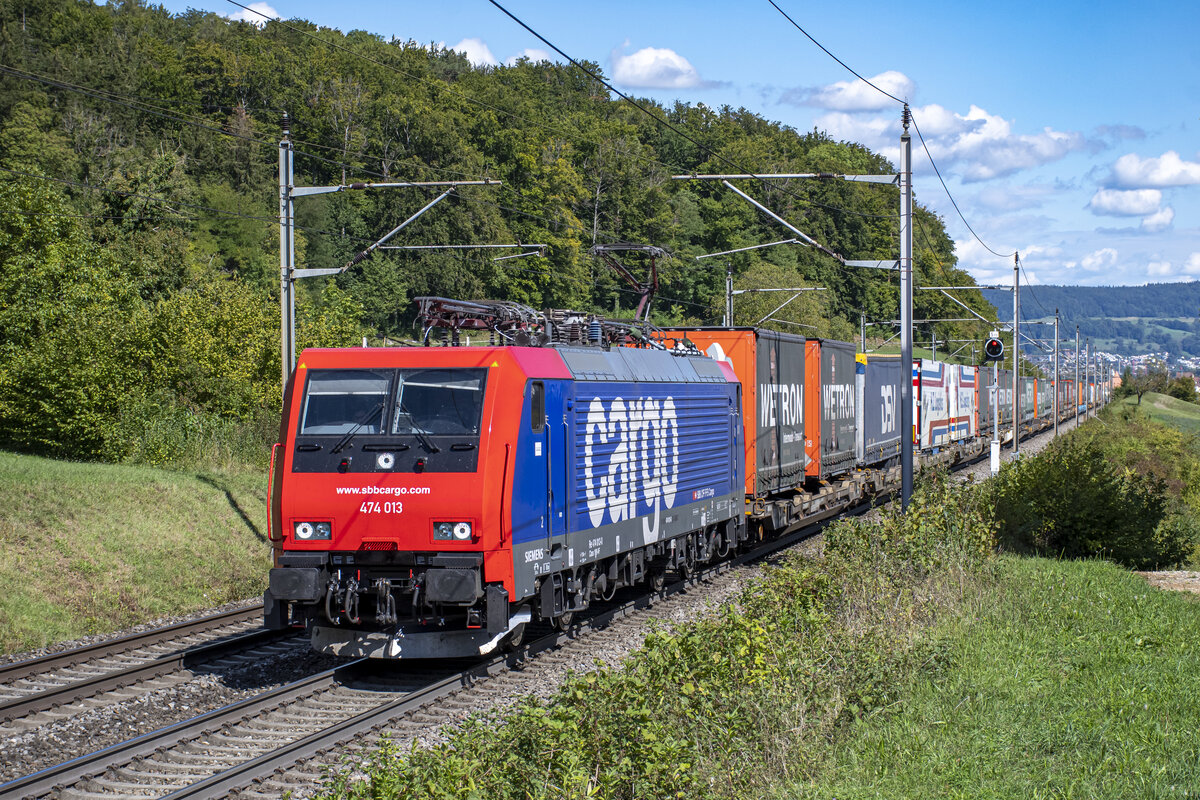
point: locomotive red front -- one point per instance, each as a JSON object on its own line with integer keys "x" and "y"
{"x": 428, "y": 502}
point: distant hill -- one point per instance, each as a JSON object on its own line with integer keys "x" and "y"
{"x": 1128, "y": 320}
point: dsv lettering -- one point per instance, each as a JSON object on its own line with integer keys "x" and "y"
{"x": 641, "y": 470}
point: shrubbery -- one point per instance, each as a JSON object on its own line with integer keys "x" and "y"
{"x": 1100, "y": 492}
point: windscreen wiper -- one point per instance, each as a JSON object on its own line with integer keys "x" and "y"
{"x": 422, "y": 436}
{"x": 345, "y": 440}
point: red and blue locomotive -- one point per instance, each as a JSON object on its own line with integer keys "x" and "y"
{"x": 430, "y": 501}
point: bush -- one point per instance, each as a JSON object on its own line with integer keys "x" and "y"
{"x": 163, "y": 432}
{"x": 1072, "y": 501}
{"x": 944, "y": 524}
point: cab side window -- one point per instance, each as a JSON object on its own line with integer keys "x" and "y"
{"x": 537, "y": 415}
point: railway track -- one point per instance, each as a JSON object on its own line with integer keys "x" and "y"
{"x": 53, "y": 680}
{"x": 58, "y": 680}
{"x": 265, "y": 745}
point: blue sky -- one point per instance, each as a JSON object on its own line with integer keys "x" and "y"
{"x": 1066, "y": 130}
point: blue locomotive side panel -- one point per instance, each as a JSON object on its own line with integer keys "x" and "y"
{"x": 538, "y": 498}
{"x": 644, "y": 451}
{"x": 640, "y": 447}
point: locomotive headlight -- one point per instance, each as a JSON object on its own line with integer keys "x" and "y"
{"x": 452, "y": 531}
{"x": 310, "y": 531}
{"x": 385, "y": 460}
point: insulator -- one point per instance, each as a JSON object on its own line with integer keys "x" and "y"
{"x": 594, "y": 331}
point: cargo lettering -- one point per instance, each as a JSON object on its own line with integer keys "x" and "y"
{"x": 784, "y": 401}
{"x": 643, "y": 467}
{"x": 839, "y": 400}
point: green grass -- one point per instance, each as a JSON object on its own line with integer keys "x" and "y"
{"x": 96, "y": 547}
{"x": 1172, "y": 411}
{"x": 963, "y": 356}
{"x": 1075, "y": 680}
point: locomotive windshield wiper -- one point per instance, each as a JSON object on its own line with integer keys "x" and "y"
{"x": 422, "y": 435}
{"x": 345, "y": 440}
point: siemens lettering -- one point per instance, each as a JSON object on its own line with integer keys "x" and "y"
{"x": 631, "y": 457}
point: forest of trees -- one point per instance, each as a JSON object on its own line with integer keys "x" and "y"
{"x": 138, "y": 209}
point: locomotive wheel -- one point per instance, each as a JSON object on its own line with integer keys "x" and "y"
{"x": 688, "y": 568}
{"x": 514, "y": 639}
{"x": 564, "y": 620}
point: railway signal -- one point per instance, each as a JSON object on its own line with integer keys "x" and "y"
{"x": 993, "y": 349}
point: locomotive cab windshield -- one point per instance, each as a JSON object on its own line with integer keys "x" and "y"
{"x": 435, "y": 412}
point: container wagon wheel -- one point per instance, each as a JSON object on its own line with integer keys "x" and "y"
{"x": 657, "y": 578}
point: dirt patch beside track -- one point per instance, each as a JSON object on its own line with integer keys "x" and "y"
{"x": 1175, "y": 580}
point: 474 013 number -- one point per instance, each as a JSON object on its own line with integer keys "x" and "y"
{"x": 376, "y": 507}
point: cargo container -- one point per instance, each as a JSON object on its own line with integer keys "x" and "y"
{"x": 986, "y": 383}
{"x": 1045, "y": 399}
{"x": 964, "y": 425}
{"x": 878, "y": 399}
{"x": 940, "y": 417}
{"x": 1066, "y": 396}
{"x": 830, "y": 433}
{"x": 1028, "y": 398}
{"x": 770, "y": 366}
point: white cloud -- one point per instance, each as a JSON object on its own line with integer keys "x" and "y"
{"x": 1098, "y": 260}
{"x": 477, "y": 52}
{"x": 1133, "y": 203}
{"x": 258, "y": 20}
{"x": 1166, "y": 170}
{"x": 532, "y": 53}
{"x": 983, "y": 145}
{"x": 1192, "y": 267}
{"x": 1159, "y": 269}
{"x": 1159, "y": 221}
{"x": 987, "y": 147}
{"x": 654, "y": 68}
{"x": 855, "y": 95}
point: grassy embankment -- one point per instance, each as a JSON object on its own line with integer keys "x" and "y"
{"x": 1171, "y": 411}
{"x": 96, "y": 547}
{"x": 1075, "y": 679}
